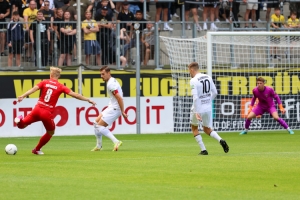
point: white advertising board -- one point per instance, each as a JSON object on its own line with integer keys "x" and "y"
{"x": 74, "y": 117}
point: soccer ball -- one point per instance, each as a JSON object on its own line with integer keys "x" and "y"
{"x": 11, "y": 149}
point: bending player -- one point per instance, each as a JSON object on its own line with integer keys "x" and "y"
{"x": 265, "y": 95}
{"x": 51, "y": 89}
{"x": 203, "y": 91}
{"x": 114, "y": 110}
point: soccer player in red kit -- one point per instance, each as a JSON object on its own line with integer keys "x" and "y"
{"x": 51, "y": 89}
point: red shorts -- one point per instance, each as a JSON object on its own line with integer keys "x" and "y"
{"x": 40, "y": 114}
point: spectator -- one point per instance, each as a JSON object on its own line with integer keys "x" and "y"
{"x": 162, "y": 7}
{"x": 138, "y": 19}
{"x": 71, "y": 9}
{"x": 51, "y": 5}
{"x": 235, "y": 12}
{"x": 209, "y": 8}
{"x": 56, "y": 26}
{"x": 126, "y": 15}
{"x": 45, "y": 37}
{"x": 148, "y": 41}
{"x": 85, "y": 5}
{"x": 58, "y": 4}
{"x": 252, "y": 6}
{"x": 19, "y": 5}
{"x": 15, "y": 38}
{"x": 194, "y": 8}
{"x": 110, "y": 7}
{"x": 30, "y": 15}
{"x": 104, "y": 34}
{"x": 4, "y": 12}
{"x": 269, "y": 7}
{"x": 277, "y": 21}
{"x": 67, "y": 38}
{"x": 292, "y": 23}
{"x": 91, "y": 45}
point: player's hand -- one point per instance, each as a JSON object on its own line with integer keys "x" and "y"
{"x": 281, "y": 108}
{"x": 20, "y": 98}
{"x": 250, "y": 109}
{"x": 92, "y": 102}
{"x": 198, "y": 117}
{"x": 124, "y": 115}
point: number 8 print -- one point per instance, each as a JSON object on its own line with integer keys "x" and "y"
{"x": 48, "y": 95}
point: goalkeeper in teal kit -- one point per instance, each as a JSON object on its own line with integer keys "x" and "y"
{"x": 265, "y": 95}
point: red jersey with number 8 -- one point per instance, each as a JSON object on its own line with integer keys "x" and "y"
{"x": 51, "y": 89}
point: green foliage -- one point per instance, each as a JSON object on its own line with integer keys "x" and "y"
{"x": 259, "y": 165}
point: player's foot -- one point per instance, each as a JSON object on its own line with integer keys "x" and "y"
{"x": 97, "y": 149}
{"x": 244, "y": 132}
{"x": 224, "y": 145}
{"x": 117, "y": 145}
{"x": 34, "y": 151}
{"x": 18, "y": 119}
{"x": 204, "y": 152}
{"x": 291, "y": 132}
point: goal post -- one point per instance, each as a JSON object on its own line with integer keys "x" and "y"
{"x": 235, "y": 60}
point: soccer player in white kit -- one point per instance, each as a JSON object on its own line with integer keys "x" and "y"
{"x": 203, "y": 92}
{"x": 114, "y": 110}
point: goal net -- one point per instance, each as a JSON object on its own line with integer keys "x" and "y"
{"x": 235, "y": 60}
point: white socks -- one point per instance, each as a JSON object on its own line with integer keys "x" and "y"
{"x": 104, "y": 130}
{"x": 99, "y": 138}
{"x": 198, "y": 138}
{"x": 215, "y": 135}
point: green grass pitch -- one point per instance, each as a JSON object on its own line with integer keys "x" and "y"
{"x": 260, "y": 165}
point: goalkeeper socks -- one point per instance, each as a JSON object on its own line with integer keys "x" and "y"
{"x": 215, "y": 135}
{"x": 282, "y": 123}
{"x": 107, "y": 133}
{"x": 198, "y": 138}
{"x": 44, "y": 140}
{"x": 247, "y": 124}
{"x": 99, "y": 138}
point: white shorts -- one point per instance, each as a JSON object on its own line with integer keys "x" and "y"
{"x": 109, "y": 115}
{"x": 252, "y": 5}
{"x": 206, "y": 119}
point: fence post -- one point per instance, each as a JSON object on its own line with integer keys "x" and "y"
{"x": 38, "y": 52}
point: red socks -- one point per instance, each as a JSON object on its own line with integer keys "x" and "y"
{"x": 44, "y": 140}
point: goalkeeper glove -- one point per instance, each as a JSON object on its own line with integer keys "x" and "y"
{"x": 250, "y": 109}
{"x": 281, "y": 108}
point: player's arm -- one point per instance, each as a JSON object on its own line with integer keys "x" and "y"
{"x": 194, "y": 93}
{"x": 29, "y": 92}
{"x": 252, "y": 102}
{"x": 277, "y": 98}
{"x": 120, "y": 102}
{"x": 80, "y": 97}
{"x": 214, "y": 91}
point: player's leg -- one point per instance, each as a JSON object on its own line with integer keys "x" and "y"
{"x": 194, "y": 125}
{"x": 47, "y": 119}
{"x": 29, "y": 119}
{"x": 98, "y": 134}
{"x": 274, "y": 114}
{"x": 207, "y": 124}
{"x": 255, "y": 112}
{"x": 109, "y": 115}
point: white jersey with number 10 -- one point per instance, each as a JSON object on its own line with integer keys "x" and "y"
{"x": 203, "y": 92}
{"x": 113, "y": 86}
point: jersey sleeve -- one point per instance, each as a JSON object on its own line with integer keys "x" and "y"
{"x": 113, "y": 88}
{"x": 253, "y": 98}
{"x": 194, "y": 93}
{"x": 41, "y": 84}
{"x": 276, "y": 97}
{"x": 66, "y": 90}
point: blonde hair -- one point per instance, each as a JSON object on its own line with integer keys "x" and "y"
{"x": 55, "y": 72}
{"x": 194, "y": 65}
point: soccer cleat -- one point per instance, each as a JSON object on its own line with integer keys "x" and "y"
{"x": 97, "y": 149}
{"x": 291, "y": 132}
{"x": 204, "y": 152}
{"x": 34, "y": 151}
{"x": 244, "y": 132}
{"x": 117, "y": 145}
{"x": 224, "y": 145}
{"x": 18, "y": 119}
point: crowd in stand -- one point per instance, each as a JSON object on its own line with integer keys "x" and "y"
{"x": 57, "y": 18}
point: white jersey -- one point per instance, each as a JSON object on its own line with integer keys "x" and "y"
{"x": 203, "y": 91}
{"x": 112, "y": 86}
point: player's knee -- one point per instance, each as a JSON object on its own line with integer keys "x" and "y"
{"x": 51, "y": 132}
{"x": 276, "y": 118}
{"x": 207, "y": 130}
